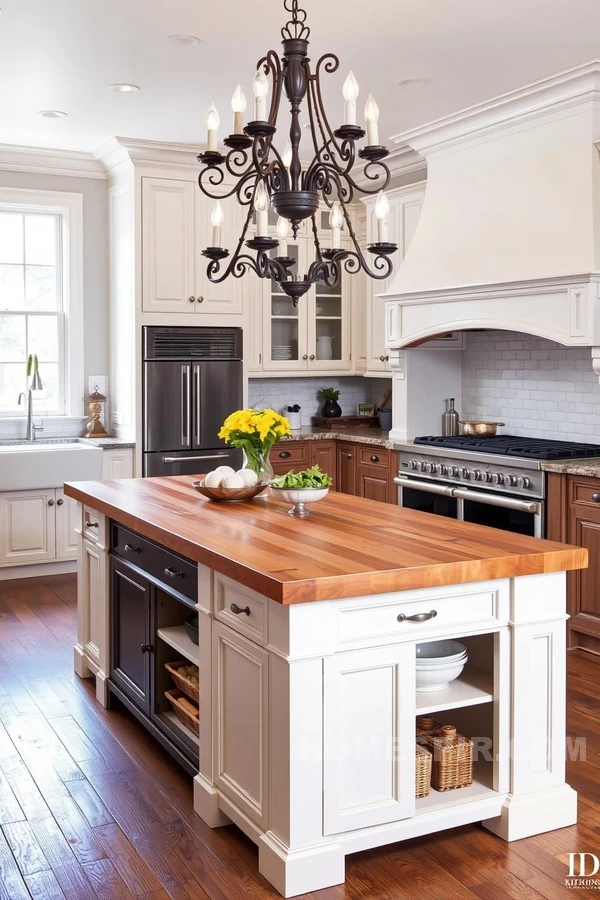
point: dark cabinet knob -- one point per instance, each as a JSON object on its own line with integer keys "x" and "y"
{"x": 305, "y": 356}
{"x": 384, "y": 358}
{"x": 59, "y": 502}
{"x": 171, "y": 573}
{"x": 374, "y": 458}
{"x": 146, "y": 648}
{"x": 348, "y": 456}
{"x": 200, "y": 299}
{"x": 191, "y": 299}
{"x": 238, "y": 611}
{"x": 285, "y": 454}
{"x": 312, "y": 356}
{"x": 596, "y": 498}
{"x": 50, "y": 502}
{"x": 129, "y": 548}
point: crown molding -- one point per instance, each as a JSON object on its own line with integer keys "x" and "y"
{"x": 548, "y": 96}
{"x": 49, "y": 161}
{"x": 149, "y": 153}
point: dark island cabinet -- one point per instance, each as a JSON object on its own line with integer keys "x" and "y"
{"x": 130, "y": 633}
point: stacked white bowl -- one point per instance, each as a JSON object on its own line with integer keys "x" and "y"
{"x": 438, "y": 663}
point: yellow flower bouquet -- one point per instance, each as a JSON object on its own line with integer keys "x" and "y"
{"x": 255, "y": 431}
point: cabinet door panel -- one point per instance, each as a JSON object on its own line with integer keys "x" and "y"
{"x": 226, "y": 297}
{"x": 584, "y": 530}
{"x": 130, "y": 617}
{"x": 323, "y": 454}
{"x": 68, "y": 521}
{"x": 240, "y": 680}
{"x": 346, "y": 468}
{"x": 372, "y": 484}
{"x": 369, "y": 749}
{"x": 168, "y": 245}
{"x": 27, "y": 527}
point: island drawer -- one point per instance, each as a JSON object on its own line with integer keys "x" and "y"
{"x": 242, "y": 609}
{"x": 175, "y": 572}
{"x": 419, "y": 618}
{"x": 92, "y": 525}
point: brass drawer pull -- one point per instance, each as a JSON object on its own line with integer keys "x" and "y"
{"x": 237, "y": 610}
{"x": 171, "y": 573}
{"x": 418, "y": 617}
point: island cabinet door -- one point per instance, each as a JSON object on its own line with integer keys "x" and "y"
{"x": 241, "y": 759}
{"x": 131, "y": 650}
{"x": 369, "y": 738}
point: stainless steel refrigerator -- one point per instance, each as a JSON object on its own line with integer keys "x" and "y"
{"x": 192, "y": 381}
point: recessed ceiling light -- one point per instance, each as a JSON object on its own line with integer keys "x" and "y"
{"x": 183, "y": 40}
{"x": 404, "y": 82}
{"x": 121, "y": 87}
{"x": 53, "y": 114}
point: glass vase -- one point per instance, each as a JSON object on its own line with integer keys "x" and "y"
{"x": 257, "y": 460}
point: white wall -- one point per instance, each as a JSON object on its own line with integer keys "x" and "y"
{"x": 95, "y": 259}
{"x": 539, "y": 388}
{"x": 277, "y": 393}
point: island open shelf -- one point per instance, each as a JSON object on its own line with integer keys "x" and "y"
{"x": 177, "y": 638}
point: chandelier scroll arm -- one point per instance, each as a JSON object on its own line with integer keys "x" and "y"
{"x": 239, "y": 262}
{"x": 272, "y": 64}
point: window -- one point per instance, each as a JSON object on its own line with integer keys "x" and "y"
{"x": 40, "y": 300}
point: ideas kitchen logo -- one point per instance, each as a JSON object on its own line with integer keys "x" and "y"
{"x": 583, "y": 869}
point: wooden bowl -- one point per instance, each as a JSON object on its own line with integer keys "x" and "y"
{"x": 224, "y": 495}
{"x": 480, "y": 429}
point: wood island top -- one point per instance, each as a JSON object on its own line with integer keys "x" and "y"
{"x": 346, "y": 547}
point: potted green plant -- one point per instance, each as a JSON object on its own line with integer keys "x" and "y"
{"x": 331, "y": 408}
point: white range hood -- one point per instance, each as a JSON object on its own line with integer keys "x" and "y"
{"x": 509, "y": 235}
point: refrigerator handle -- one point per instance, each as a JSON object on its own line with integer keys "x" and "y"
{"x": 185, "y": 406}
{"x": 197, "y": 406}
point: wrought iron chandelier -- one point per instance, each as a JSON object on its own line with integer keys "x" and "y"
{"x": 265, "y": 177}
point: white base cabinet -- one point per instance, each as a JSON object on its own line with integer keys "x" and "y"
{"x": 91, "y": 652}
{"x": 313, "y": 710}
{"x": 37, "y": 526}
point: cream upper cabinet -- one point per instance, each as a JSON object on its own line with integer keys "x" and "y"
{"x": 405, "y": 211}
{"x": 176, "y": 228}
{"x": 27, "y": 527}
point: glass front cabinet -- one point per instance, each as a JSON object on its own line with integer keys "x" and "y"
{"x": 315, "y": 335}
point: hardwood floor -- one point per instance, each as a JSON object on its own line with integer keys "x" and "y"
{"x": 91, "y": 807}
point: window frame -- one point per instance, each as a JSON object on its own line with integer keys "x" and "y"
{"x": 69, "y": 206}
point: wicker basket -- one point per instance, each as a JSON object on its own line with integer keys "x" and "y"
{"x": 422, "y": 772}
{"x": 184, "y": 715}
{"x": 452, "y": 759}
{"x": 184, "y": 684}
{"x": 427, "y": 727}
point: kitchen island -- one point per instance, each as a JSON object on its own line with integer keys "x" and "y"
{"x": 306, "y": 656}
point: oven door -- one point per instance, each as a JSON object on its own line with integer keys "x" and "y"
{"x": 427, "y": 496}
{"x": 501, "y": 511}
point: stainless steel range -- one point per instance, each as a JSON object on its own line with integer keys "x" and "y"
{"x": 496, "y": 481}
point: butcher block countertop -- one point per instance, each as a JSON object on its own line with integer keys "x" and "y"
{"x": 346, "y": 547}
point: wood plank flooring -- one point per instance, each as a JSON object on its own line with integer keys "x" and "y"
{"x": 90, "y": 807}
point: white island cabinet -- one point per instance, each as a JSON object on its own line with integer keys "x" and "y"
{"x": 307, "y": 641}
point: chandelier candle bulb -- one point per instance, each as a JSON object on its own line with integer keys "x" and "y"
{"x": 238, "y": 105}
{"x": 350, "y": 92}
{"x": 212, "y": 124}
{"x": 372, "y": 118}
{"x": 283, "y": 228}
{"x": 260, "y": 88}
{"x": 336, "y": 220}
{"x": 217, "y": 221}
{"x": 382, "y": 210}
{"x": 261, "y": 206}
{"x": 286, "y": 156}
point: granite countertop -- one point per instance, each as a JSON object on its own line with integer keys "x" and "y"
{"x": 373, "y": 436}
{"x": 589, "y": 467}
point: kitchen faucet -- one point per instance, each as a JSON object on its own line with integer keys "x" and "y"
{"x": 36, "y": 385}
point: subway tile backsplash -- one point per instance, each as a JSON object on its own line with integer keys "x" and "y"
{"x": 278, "y": 393}
{"x": 537, "y": 387}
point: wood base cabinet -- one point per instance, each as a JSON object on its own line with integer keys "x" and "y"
{"x": 574, "y": 517}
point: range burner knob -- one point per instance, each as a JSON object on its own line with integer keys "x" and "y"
{"x": 525, "y": 482}
{"x": 466, "y": 473}
{"x": 454, "y": 471}
{"x": 512, "y": 480}
{"x": 413, "y": 464}
{"x": 421, "y": 466}
{"x": 497, "y": 478}
{"x": 433, "y": 468}
{"x": 487, "y": 476}
{"x": 477, "y": 474}
{"x": 443, "y": 469}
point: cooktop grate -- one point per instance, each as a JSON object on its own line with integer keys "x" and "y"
{"x": 513, "y": 445}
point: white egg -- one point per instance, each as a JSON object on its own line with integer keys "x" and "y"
{"x": 249, "y": 477}
{"x": 225, "y": 470}
{"x": 233, "y": 481}
{"x": 213, "y": 479}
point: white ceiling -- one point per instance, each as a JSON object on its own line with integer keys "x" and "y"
{"x": 62, "y": 54}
